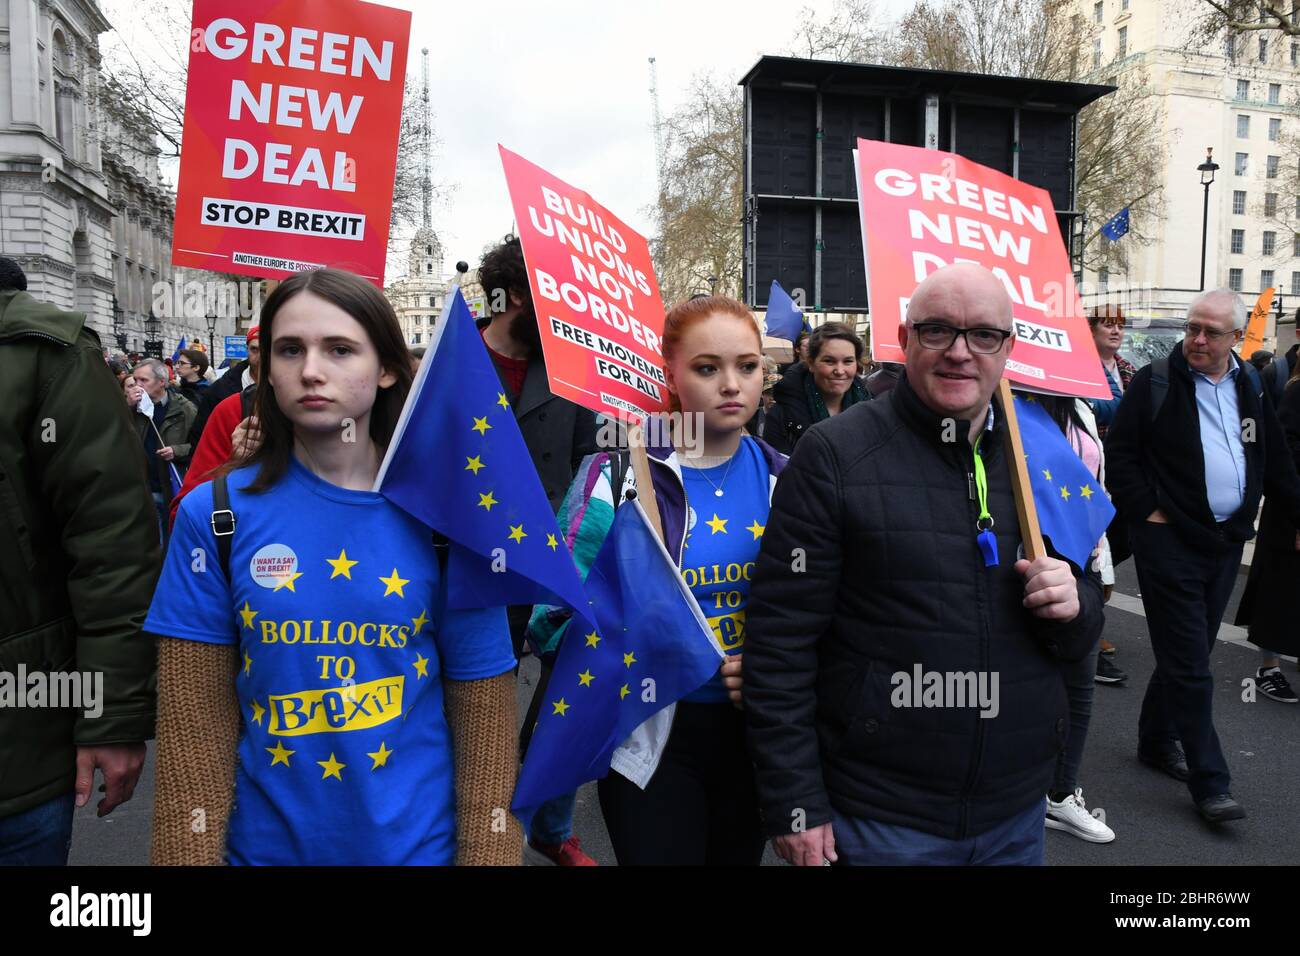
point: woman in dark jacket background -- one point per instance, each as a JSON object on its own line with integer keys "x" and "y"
{"x": 824, "y": 384}
{"x": 1268, "y": 605}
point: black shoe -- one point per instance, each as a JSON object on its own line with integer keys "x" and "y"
{"x": 1172, "y": 762}
{"x": 1220, "y": 809}
{"x": 1108, "y": 673}
{"x": 1273, "y": 685}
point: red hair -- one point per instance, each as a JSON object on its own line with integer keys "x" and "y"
{"x": 692, "y": 311}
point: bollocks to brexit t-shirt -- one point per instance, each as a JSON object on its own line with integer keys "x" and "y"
{"x": 722, "y": 541}
{"x": 345, "y": 755}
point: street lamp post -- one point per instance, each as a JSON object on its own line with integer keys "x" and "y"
{"x": 212, "y": 331}
{"x": 1207, "y": 170}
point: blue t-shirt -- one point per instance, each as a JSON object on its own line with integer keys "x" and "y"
{"x": 722, "y": 540}
{"x": 345, "y": 755}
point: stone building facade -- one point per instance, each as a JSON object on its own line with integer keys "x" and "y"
{"x": 83, "y": 207}
{"x": 418, "y": 297}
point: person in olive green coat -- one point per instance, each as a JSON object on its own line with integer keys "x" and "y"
{"x": 79, "y": 557}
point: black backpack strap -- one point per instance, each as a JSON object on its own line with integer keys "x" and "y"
{"x": 1280, "y": 371}
{"x": 1159, "y": 384}
{"x": 222, "y": 520}
{"x": 619, "y": 462}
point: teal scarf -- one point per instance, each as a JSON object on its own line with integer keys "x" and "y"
{"x": 820, "y": 413}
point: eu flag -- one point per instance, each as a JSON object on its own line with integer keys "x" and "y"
{"x": 177, "y": 353}
{"x": 647, "y": 647}
{"x": 1116, "y": 226}
{"x": 458, "y": 463}
{"x": 783, "y": 319}
{"x": 1073, "y": 509}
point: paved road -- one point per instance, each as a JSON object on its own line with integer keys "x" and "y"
{"x": 1151, "y": 814}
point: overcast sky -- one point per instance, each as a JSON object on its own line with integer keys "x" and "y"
{"x": 566, "y": 85}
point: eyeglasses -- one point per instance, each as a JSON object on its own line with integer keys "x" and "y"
{"x": 1196, "y": 330}
{"x": 936, "y": 335}
{"x": 1110, "y": 322}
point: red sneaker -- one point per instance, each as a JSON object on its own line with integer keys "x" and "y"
{"x": 568, "y": 853}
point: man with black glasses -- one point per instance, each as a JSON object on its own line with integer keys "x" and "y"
{"x": 889, "y": 561}
{"x": 1192, "y": 448}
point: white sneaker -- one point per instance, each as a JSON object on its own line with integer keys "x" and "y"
{"x": 1071, "y": 816}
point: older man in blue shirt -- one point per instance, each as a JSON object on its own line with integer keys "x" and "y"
{"x": 1192, "y": 448}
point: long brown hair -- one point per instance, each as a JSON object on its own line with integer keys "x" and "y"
{"x": 363, "y": 302}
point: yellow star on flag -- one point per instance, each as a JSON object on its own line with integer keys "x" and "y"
{"x": 480, "y": 425}
{"x": 1047, "y": 474}
{"x": 1065, "y": 492}
{"x": 332, "y": 768}
{"x": 393, "y": 584}
{"x": 585, "y": 678}
{"x": 501, "y": 400}
{"x": 1086, "y": 491}
{"x": 248, "y": 664}
{"x": 288, "y": 582}
{"x": 629, "y": 659}
{"x": 717, "y": 524}
{"x": 247, "y": 613}
{"x": 756, "y": 529}
{"x": 380, "y": 756}
{"x": 517, "y": 533}
{"x": 279, "y": 754}
{"x": 560, "y": 707}
{"x": 551, "y": 542}
{"x": 487, "y": 501}
{"x": 258, "y": 713}
{"x": 341, "y": 565}
{"x": 593, "y": 639}
{"x": 421, "y": 666}
{"x": 623, "y": 692}
{"x": 420, "y": 621}
{"x": 474, "y": 464}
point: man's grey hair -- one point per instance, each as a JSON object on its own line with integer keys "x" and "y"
{"x": 155, "y": 367}
{"x": 1215, "y": 296}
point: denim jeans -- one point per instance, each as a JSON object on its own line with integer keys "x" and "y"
{"x": 160, "y": 505}
{"x": 1015, "y": 842}
{"x": 1080, "y": 681}
{"x": 552, "y": 824}
{"x": 40, "y": 836}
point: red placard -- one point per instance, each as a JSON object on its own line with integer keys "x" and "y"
{"x": 595, "y": 293}
{"x": 292, "y": 112}
{"x": 922, "y": 209}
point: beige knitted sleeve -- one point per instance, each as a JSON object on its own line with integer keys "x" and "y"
{"x": 482, "y": 718}
{"x": 198, "y": 727}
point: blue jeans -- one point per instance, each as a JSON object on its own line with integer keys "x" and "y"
{"x": 40, "y": 836}
{"x": 160, "y": 505}
{"x": 553, "y": 822}
{"x": 1015, "y": 842}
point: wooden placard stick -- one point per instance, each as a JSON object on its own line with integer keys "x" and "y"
{"x": 645, "y": 486}
{"x": 1030, "y": 532}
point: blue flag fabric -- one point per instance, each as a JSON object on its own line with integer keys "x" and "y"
{"x": 458, "y": 463}
{"x": 648, "y": 647}
{"x": 1116, "y": 226}
{"x": 783, "y": 320}
{"x": 177, "y": 353}
{"x": 1073, "y": 509}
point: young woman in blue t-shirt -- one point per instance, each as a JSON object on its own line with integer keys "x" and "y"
{"x": 312, "y": 687}
{"x": 681, "y": 787}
